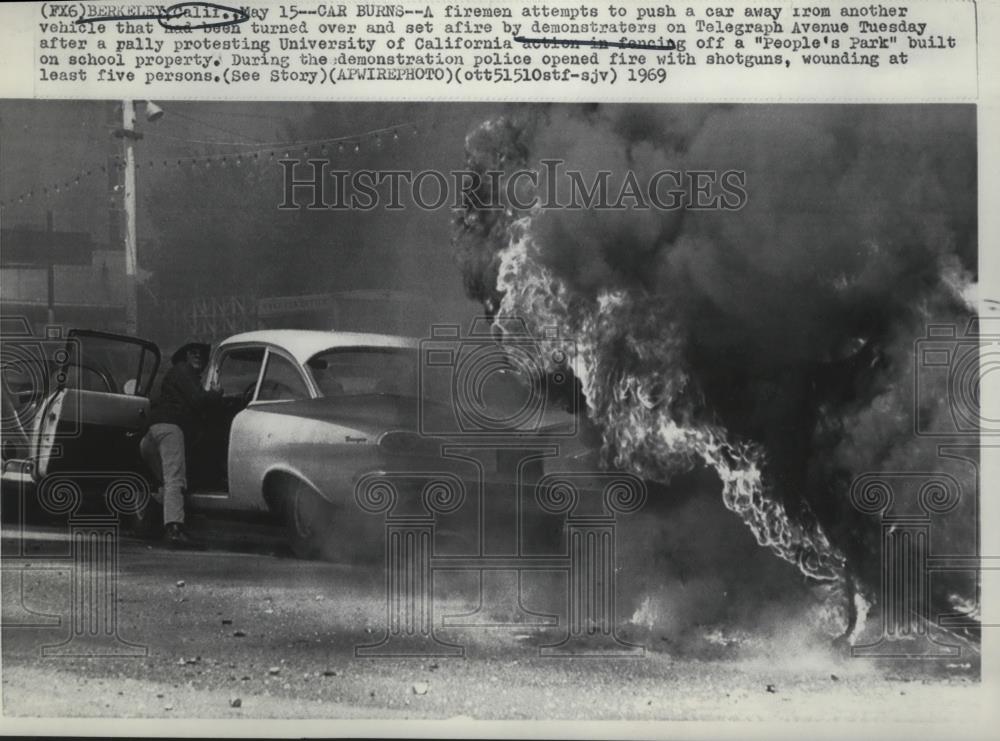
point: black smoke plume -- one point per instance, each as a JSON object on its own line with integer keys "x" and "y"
{"x": 773, "y": 344}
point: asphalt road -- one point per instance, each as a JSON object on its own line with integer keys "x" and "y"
{"x": 243, "y": 630}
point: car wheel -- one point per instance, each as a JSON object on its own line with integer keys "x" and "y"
{"x": 309, "y": 521}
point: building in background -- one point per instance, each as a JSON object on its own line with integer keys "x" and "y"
{"x": 62, "y": 277}
{"x": 213, "y": 318}
{"x": 215, "y": 254}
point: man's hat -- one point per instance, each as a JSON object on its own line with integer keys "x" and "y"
{"x": 180, "y": 355}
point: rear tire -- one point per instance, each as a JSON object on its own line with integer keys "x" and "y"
{"x": 309, "y": 523}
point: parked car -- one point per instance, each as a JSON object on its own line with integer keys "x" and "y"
{"x": 304, "y": 416}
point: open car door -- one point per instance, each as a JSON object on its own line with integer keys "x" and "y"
{"x": 234, "y": 371}
{"x": 94, "y": 420}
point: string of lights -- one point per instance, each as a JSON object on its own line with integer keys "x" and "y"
{"x": 255, "y": 152}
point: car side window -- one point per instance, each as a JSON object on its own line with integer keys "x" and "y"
{"x": 88, "y": 379}
{"x": 282, "y": 381}
{"x": 239, "y": 369}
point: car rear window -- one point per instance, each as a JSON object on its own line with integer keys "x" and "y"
{"x": 355, "y": 371}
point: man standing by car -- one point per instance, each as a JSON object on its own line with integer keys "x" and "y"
{"x": 174, "y": 419}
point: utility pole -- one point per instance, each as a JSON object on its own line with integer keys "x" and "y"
{"x": 50, "y": 272}
{"x": 131, "y": 259}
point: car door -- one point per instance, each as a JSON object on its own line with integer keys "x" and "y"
{"x": 234, "y": 370}
{"x": 94, "y": 420}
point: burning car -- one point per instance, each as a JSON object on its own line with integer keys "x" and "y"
{"x": 304, "y": 416}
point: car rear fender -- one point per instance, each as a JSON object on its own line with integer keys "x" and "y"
{"x": 279, "y": 481}
{"x": 320, "y": 453}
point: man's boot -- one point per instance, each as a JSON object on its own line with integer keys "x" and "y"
{"x": 177, "y": 538}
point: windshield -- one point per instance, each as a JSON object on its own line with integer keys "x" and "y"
{"x": 354, "y": 371}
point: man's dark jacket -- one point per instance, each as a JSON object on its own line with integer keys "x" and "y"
{"x": 182, "y": 400}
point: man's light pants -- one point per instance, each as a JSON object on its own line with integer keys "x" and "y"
{"x": 163, "y": 450}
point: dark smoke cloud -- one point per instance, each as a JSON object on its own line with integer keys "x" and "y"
{"x": 787, "y": 326}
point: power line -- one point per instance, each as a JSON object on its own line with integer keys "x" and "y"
{"x": 262, "y": 151}
{"x": 292, "y": 144}
{"x": 223, "y": 129}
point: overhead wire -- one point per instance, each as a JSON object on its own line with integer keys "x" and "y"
{"x": 254, "y": 152}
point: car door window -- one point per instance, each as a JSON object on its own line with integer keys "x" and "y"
{"x": 90, "y": 379}
{"x": 239, "y": 369}
{"x": 109, "y": 363}
{"x": 282, "y": 381}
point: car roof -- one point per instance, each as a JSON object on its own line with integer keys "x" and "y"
{"x": 302, "y": 344}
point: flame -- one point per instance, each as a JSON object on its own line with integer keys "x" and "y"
{"x": 688, "y": 325}
{"x": 648, "y": 414}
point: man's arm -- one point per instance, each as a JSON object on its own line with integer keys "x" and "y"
{"x": 186, "y": 385}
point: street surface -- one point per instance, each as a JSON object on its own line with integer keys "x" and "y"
{"x": 243, "y": 630}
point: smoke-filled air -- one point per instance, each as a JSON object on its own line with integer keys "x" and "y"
{"x": 772, "y": 344}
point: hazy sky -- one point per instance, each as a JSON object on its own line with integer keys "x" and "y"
{"x": 44, "y": 143}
